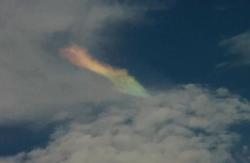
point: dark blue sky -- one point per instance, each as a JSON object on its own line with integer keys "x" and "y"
{"x": 181, "y": 45}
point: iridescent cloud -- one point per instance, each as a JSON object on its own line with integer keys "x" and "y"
{"x": 121, "y": 79}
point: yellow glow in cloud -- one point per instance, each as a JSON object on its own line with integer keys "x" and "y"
{"x": 119, "y": 77}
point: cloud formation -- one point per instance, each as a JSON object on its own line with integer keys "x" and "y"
{"x": 238, "y": 48}
{"x": 183, "y": 125}
{"x": 34, "y": 79}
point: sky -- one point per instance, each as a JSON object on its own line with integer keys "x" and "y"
{"x": 110, "y": 81}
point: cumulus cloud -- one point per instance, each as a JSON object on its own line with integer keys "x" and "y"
{"x": 35, "y": 81}
{"x": 182, "y": 125}
{"x": 239, "y": 48}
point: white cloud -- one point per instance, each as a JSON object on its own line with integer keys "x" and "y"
{"x": 239, "y": 48}
{"x": 183, "y": 125}
{"x": 35, "y": 81}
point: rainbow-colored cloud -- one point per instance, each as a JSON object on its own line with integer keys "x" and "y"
{"x": 119, "y": 77}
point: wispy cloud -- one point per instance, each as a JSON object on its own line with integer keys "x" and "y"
{"x": 238, "y": 48}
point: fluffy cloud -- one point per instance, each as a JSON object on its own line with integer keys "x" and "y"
{"x": 182, "y": 125}
{"x": 239, "y": 48}
{"x": 35, "y": 81}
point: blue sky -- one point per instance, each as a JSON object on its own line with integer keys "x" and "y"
{"x": 192, "y": 56}
{"x": 183, "y": 45}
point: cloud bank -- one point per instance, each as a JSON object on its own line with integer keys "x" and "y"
{"x": 183, "y": 125}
